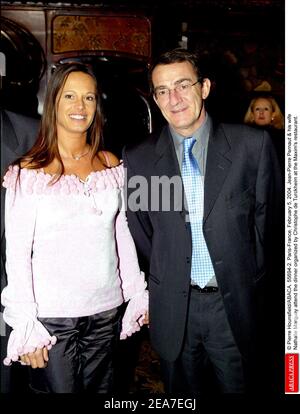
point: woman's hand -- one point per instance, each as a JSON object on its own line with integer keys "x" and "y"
{"x": 36, "y": 359}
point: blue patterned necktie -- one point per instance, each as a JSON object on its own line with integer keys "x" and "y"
{"x": 202, "y": 269}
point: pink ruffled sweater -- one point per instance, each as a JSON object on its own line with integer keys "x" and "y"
{"x": 69, "y": 254}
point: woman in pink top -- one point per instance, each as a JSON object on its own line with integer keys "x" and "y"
{"x": 71, "y": 261}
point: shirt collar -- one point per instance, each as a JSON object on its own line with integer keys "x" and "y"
{"x": 201, "y": 134}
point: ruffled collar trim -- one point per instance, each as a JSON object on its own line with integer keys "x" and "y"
{"x": 37, "y": 181}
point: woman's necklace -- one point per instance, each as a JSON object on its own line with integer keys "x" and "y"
{"x": 78, "y": 157}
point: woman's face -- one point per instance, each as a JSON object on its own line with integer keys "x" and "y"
{"x": 262, "y": 112}
{"x": 76, "y": 104}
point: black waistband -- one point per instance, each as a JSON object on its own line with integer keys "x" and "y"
{"x": 206, "y": 289}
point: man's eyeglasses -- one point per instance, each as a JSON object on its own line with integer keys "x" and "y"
{"x": 182, "y": 88}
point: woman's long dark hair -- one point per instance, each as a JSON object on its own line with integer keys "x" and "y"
{"x": 45, "y": 149}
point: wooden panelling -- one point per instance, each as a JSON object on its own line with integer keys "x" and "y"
{"x": 122, "y": 34}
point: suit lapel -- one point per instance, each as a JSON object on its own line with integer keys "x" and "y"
{"x": 166, "y": 164}
{"x": 166, "y": 161}
{"x": 9, "y": 147}
{"x": 218, "y": 164}
{"x": 8, "y": 136}
{"x": 217, "y": 168}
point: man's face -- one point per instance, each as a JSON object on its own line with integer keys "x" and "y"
{"x": 182, "y": 106}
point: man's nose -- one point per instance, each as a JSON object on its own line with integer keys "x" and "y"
{"x": 174, "y": 96}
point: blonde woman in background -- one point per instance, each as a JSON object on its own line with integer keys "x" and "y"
{"x": 264, "y": 111}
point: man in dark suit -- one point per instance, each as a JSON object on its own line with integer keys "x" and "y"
{"x": 18, "y": 134}
{"x": 193, "y": 325}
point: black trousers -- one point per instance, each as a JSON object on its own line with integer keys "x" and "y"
{"x": 82, "y": 360}
{"x": 208, "y": 343}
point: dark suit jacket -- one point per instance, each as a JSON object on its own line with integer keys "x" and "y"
{"x": 242, "y": 193}
{"x": 18, "y": 133}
